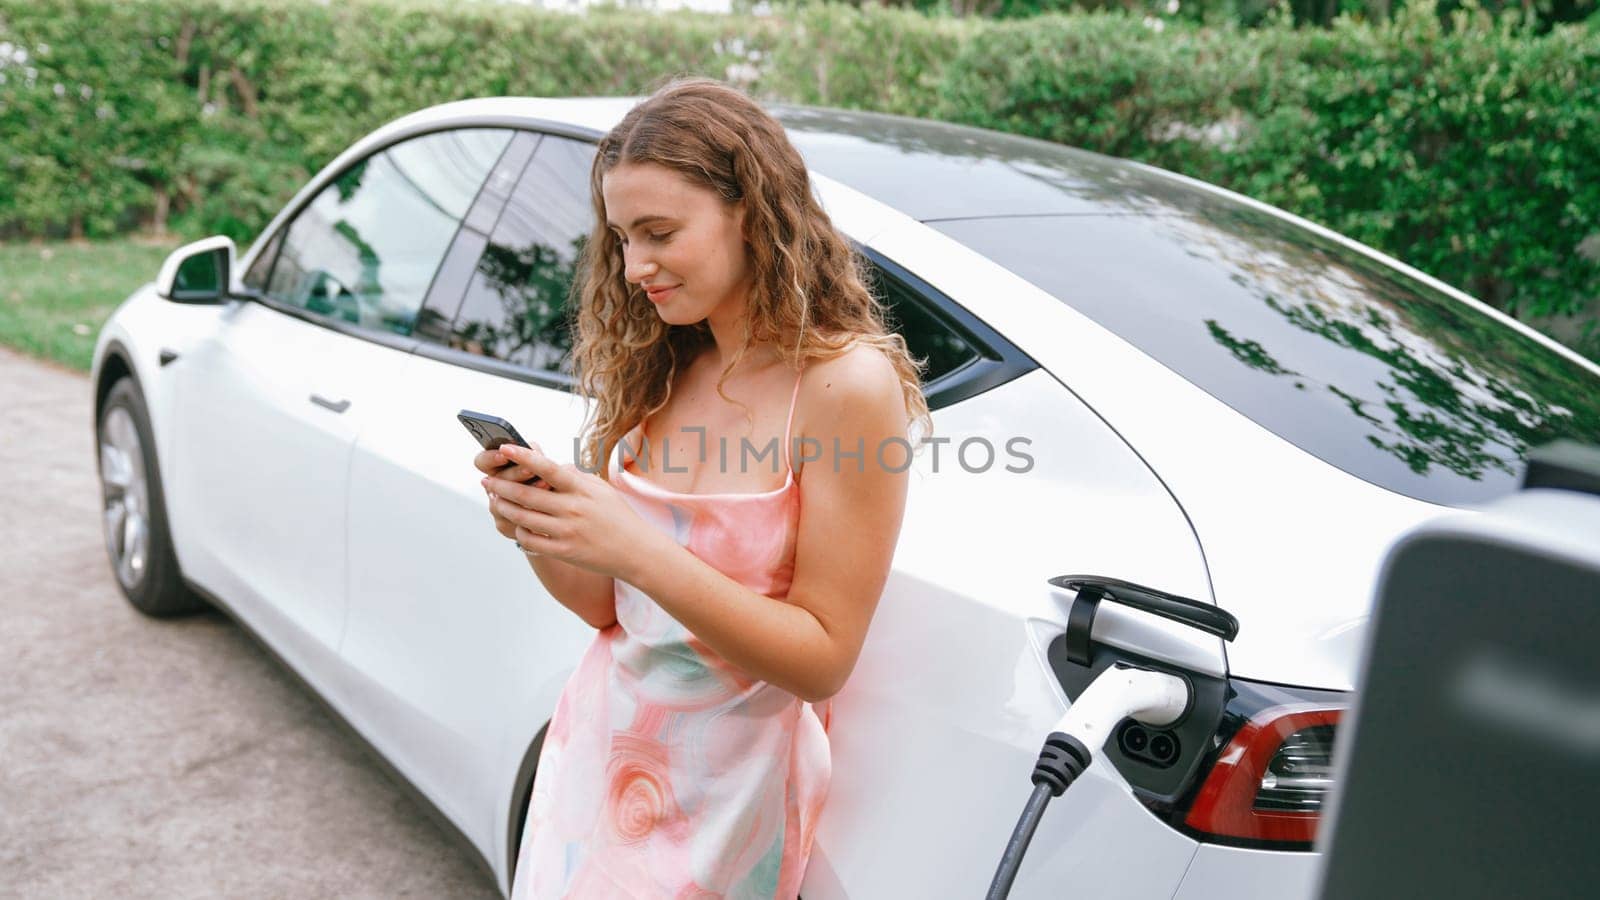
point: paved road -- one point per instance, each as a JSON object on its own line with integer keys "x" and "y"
{"x": 165, "y": 759}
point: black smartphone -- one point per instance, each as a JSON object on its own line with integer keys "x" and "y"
{"x": 491, "y": 432}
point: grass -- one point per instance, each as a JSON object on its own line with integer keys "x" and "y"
{"x": 54, "y": 296}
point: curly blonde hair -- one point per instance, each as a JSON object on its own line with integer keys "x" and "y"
{"x": 810, "y": 297}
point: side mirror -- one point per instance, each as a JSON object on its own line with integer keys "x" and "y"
{"x": 200, "y": 272}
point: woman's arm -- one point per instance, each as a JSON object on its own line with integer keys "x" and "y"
{"x": 589, "y": 594}
{"x": 849, "y": 524}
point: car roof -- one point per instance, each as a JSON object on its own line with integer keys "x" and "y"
{"x": 928, "y": 170}
{"x": 935, "y": 171}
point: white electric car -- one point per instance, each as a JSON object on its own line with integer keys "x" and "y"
{"x": 1134, "y": 376}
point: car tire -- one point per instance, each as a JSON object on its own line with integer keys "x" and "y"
{"x": 133, "y": 509}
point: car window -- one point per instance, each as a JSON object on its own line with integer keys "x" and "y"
{"x": 365, "y": 249}
{"x": 461, "y": 260}
{"x": 503, "y": 287}
{"x": 514, "y": 306}
{"x": 926, "y": 335}
{"x": 1346, "y": 357}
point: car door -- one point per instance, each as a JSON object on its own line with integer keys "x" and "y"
{"x": 271, "y": 404}
{"x": 461, "y": 650}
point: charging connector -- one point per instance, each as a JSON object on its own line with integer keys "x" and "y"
{"x": 1153, "y": 698}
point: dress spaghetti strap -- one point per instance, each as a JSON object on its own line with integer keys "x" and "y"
{"x": 790, "y": 424}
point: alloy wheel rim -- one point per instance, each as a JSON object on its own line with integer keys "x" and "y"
{"x": 126, "y": 516}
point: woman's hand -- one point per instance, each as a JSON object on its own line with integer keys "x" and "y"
{"x": 493, "y": 463}
{"x": 574, "y": 516}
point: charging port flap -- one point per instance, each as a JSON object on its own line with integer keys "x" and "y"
{"x": 1160, "y": 764}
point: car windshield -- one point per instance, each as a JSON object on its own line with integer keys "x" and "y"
{"x": 1346, "y": 357}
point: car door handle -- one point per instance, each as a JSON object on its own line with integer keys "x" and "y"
{"x": 338, "y": 407}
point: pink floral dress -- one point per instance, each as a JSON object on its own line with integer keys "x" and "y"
{"x": 666, "y": 771}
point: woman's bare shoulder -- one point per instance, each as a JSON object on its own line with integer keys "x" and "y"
{"x": 858, "y": 386}
{"x": 859, "y": 369}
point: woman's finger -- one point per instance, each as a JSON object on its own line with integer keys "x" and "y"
{"x": 560, "y": 478}
{"x": 489, "y": 461}
{"x": 534, "y": 496}
{"x": 503, "y": 526}
{"x": 533, "y": 543}
{"x": 527, "y": 518}
{"x": 518, "y": 474}
{"x": 501, "y": 523}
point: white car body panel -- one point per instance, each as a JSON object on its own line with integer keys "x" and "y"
{"x": 1219, "y": 871}
{"x": 143, "y": 325}
{"x": 259, "y": 473}
{"x": 431, "y": 581}
{"x": 1302, "y": 608}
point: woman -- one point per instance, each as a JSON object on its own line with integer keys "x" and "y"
{"x": 717, "y": 309}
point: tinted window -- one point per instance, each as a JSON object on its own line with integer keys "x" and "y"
{"x": 1345, "y": 357}
{"x": 926, "y": 336}
{"x": 515, "y": 305}
{"x": 461, "y": 260}
{"x": 365, "y": 249}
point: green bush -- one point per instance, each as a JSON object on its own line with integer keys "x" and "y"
{"x": 1465, "y": 146}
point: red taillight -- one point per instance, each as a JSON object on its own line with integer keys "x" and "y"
{"x": 1269, "y": 782}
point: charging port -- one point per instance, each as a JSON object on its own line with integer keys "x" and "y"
{"x": 1159, "y": 763}
{"x": 1149, "y": 746}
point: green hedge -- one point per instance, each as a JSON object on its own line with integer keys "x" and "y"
{"x": 1468, "y": 151}
{"x": 1471, "y": 155}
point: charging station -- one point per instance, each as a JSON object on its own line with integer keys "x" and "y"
{"x": 1470, "y": 763}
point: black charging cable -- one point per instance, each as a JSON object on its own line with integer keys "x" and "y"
{"x": 1062, "y": 760}
{"x": 1155, "y": 698}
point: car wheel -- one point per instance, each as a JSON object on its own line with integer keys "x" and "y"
{"x": 134, "y": 513}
